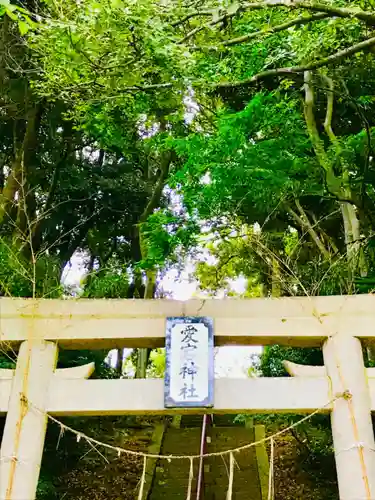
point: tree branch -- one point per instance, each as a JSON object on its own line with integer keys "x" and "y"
{"x": 329, "y": 111}
{"x": 303, "y": 221}
{"x": 332, "y": 11}
{"x": 361, "y": 15}
{"x": 137, "y": 88}
{"x": 312, "y": 126}
{"x": 156, "y": 195}
{"x": 274, "y": 29}
{"x": 345, "y": 166}
{"x": 223, "y": 17}
{"x": 292, "y": 70}
{"x": 189, "y": 16}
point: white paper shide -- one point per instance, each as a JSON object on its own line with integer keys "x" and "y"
{"x": 189, "y": 363}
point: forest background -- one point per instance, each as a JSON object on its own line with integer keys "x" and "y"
{"x": 230, "y": 138}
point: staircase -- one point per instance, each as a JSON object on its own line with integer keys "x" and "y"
{"x": 171, "y": 478}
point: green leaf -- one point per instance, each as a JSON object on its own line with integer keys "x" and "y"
{"x": 5, "y": 3}
{"x": 11, "y": 14}
{"x": 23, "y": 27}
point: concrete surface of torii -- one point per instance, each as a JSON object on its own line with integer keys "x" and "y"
{"x": 343, "y": 386}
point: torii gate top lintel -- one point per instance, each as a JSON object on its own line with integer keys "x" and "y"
{"x": 100, "y": 323}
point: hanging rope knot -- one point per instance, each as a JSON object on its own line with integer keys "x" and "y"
{"x": 24, "y": 400}
{"x": 347, "y": 395}
{"x": 13, "y": 458}
{"x": 356, "y": 446}
{"x": 143, "y": 479}
{"x": 360, "y": 445}
{"x": 191, "y": 477}
{"x": 231, "y": 477}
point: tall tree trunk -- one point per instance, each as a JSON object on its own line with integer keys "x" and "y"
{"x": 144, "y": 353}
{"x": 354, "y": 250}
{"x": 119, "y": 362}
{"x": 337, "y": 185}
{"x": 154, "y": 202}
{"x": 26, "y": 193}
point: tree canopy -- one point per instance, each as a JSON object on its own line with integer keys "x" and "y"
{"x": 140, "y": 134}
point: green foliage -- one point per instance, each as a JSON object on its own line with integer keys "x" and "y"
{"x": 271, "y": 363}
{"x": 20, "y": 278}
{"x": 157, "y": 363}
{"x": 17, "y": 14}
{"x": 109, "y": 283}
{"x": 46, "y": 489}
{"x": 262, "y": 149}
{"x": 232, "y": 256}
{"x": 85, "y": 48}
{"x": 166, "y": 236}
{"x": 7, "y": 361}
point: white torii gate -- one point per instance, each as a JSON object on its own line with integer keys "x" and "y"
{"x": 338, "y": 324}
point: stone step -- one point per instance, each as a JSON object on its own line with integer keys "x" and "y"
{"x": 171, "y": 478}
{"x": 218, "y": 421}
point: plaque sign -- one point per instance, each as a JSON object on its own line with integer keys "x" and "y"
{"x": 189, "y": 375}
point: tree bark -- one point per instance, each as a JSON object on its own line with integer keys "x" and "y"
{"x": 144, "y": 354}
{"x": 337, "y": 185}
{"x": 26, "y": 194}
{"x": 119, "y": 362}
{"x": 276, "y": 278}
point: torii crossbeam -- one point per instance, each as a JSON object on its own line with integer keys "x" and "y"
{"x": 338, "y": 324}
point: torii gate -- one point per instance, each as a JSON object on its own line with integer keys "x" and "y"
{"x": 338, "y": 324}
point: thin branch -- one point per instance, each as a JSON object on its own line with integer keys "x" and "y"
{"x": 293, "y": 70}
{"x": 81, "y": 224}
{"x": 200, "y": 28}
{"x": 303, "y": 221}
{"x": 156, "y": 195}
{"x": 329, "y": 111}
{"x": 269, "y": 31}
{"x": 189, "y": 16}
{"x": 332, "y": 11}
{"x": 134, "y": 88}
{"x": 214, "y": 22}
{"x": 332, "y": 183}
{"x": 361, "y": 15}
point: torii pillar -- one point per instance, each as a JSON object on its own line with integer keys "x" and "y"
{"x": 352, "y": 430}
{"x": 25, "y": 428}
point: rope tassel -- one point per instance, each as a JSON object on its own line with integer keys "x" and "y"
{"x": 231, "y": 476}
{"x": 143, "y": 479}
{"x": 191, "y": 477}
{"x": 271, "y": 485}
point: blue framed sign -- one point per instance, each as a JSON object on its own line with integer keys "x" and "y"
{"x": 189, "y": 373}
